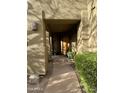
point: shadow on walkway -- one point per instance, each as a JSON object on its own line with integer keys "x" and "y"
{"x": 61, "y": 78}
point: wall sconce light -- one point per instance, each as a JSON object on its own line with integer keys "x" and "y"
{"x": 93, "y": 8}
{"x": 34, "y": 26}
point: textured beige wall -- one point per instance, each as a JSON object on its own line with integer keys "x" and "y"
{"x": 87, "y": 34}
{"x": 37, "y": 46}
{"x": 35, "y": 49}
{"x": 93, "y": 25}
{"x": 58, "y": 9}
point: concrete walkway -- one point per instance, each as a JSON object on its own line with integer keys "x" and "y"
{"x": 62, "y": 78}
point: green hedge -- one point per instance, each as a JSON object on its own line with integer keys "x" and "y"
{"x": 86, "y": 65}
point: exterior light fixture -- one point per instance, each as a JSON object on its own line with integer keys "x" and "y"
{"x": 93, "y": 8}
{"x": 34, "y": 26}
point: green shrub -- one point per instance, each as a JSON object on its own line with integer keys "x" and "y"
{"x": 86, "y": 65}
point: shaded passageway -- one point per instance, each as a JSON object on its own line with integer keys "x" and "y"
{"x": 62, "y": 33}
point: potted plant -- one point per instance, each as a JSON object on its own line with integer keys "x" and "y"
{"x": 70, "y": 54}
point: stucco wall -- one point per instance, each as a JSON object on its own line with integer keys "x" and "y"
{"x": 58, "y": 9}
{"x": 35, "y": 48}
{"x": 87, "y": 34}
{"x": 93, "y": 25}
